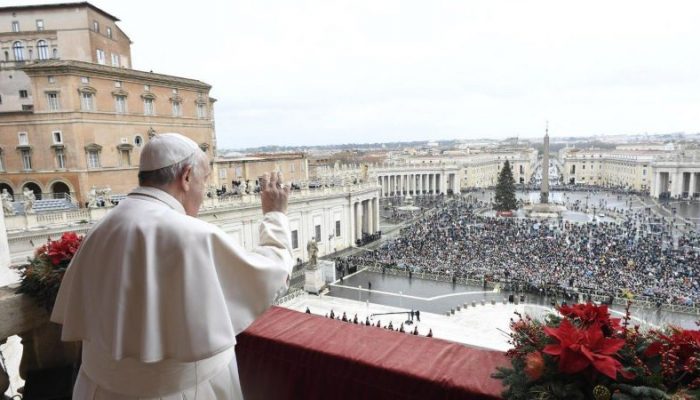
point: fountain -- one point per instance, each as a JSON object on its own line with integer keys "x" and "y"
{"x": 408, "y": 205}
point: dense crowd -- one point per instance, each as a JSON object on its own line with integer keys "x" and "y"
{"x": 638, "y": 255}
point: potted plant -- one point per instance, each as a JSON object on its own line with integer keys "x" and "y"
{"x": 47, "y": 362}
{"x": 583, "y": 353}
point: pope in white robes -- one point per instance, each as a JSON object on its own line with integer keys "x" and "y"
{"x": 158, "y": 296}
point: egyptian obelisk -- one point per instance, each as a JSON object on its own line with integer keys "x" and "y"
{"x": 544, "y": 191}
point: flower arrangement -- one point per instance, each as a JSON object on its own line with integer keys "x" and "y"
{"x": 583, "y": 353}
{"x": 42, "y": 276}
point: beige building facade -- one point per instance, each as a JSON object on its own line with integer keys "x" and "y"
{"x": 69, "y": 31}
{"x": 84, "y": 120}
{"x": 293, "y": 166}
{"x": 630, "y": 169}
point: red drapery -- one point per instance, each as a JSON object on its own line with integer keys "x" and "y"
{"x": 291, "y": 355}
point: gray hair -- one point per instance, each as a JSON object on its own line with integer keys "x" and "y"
{"x": 167, "y": 175}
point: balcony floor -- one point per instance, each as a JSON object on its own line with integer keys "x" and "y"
{"x": 482, "y": 326}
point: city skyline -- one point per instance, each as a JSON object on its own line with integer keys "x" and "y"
{"x": 313, "y": 72}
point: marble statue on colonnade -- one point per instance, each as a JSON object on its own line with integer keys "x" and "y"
{"x": 7, "y": 203}
{"x": 312, "y": 249}
{"x": 29, "y": 199}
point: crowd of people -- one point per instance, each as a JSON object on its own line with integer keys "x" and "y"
{"x": 639, "y": 255}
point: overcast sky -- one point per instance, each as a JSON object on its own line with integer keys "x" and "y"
{"x": 304, "y": 72}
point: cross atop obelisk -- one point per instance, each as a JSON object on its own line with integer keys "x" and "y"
{"x": 544, "y": 191}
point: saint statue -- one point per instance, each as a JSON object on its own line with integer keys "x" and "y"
{"x": 7, "y": 203}
{"x": 29, "y": 200}
{"x": 312, "y": 249}
{"x": 92, "y": 198}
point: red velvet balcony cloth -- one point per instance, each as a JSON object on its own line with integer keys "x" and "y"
{"x": 286, "y": 354}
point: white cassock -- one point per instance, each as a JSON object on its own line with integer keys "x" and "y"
{"x": 158, "y": 297}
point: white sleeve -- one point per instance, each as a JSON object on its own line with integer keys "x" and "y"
{"x": 251, "y": 280}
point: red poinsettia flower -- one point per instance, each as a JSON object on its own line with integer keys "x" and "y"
{"x": 588, "y": 314}
{"x": 579, "y": 348}
{"x": 534, "y": 365}
{"x": 685, "y": 342}
{"x": 63, "y": 249}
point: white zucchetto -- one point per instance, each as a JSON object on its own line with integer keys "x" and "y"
{"x": 166, "y": 149}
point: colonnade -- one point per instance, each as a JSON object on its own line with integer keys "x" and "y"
{"x": 401, "y": 184}
{"x": 365, "y": 217}
{"x": 676, "y": 183}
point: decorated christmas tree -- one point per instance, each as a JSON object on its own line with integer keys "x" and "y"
{"x": 505, "y": 190}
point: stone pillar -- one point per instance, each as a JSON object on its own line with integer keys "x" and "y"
{"x": 677, "y": 185}
{"x": 358, "y": 221}
{"x": 370, "y": 216}
{"x": 693, "y": 183}
{"x": 375, "y": 208}
{"x": 656, "y": 191}
{"x": 7, "y": 276}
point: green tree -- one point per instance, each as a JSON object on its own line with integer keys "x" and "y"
{"x": 505, "y": 190}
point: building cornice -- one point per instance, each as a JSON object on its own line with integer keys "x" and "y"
{"x": 54, "y": 67}
{"x": 23, "y": 35}
{"x": 58, "y": 5}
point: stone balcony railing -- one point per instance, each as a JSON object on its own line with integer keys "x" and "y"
{"x": 41, "y": 347}
{"x": 83, "y": 217}
{"x": 291, "y": 355}
{"x": 250, "y": 200}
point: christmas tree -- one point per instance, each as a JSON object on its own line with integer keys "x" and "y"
{"x": 505, "y": 190}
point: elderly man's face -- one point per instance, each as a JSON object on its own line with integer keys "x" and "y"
{"x": 195, "y": 195}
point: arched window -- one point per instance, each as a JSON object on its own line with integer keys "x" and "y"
{"x": 42, "y": 49}
{"x": 18, "y": 50}
{"x": 60, "y": 190}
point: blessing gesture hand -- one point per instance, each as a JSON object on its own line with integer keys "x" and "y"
{"x": 273, "y": 193}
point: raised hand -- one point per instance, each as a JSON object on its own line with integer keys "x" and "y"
{"x": 274, "y": 193}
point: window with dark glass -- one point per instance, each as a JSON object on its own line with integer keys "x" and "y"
{"x": 52, "y": 100}
{"x": 60, "y": 159}
{"x": 93, "y": 159}
{"x": 295, "y": 239}
{"x": 26, "y": 160}
{"x": 18, "y": 51}
{"x": 42, "y": 50}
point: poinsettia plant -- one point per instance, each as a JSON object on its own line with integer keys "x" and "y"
{"x": 583, "y": 353}
{"x": 42, "y": 275}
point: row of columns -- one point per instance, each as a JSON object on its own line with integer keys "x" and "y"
{"x": 678, "y": 184}
{"x": 403, "y": 184}
{"x": 365, "y": 217}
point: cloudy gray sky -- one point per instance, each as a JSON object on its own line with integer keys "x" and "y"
{"x": 303, "y": 72}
